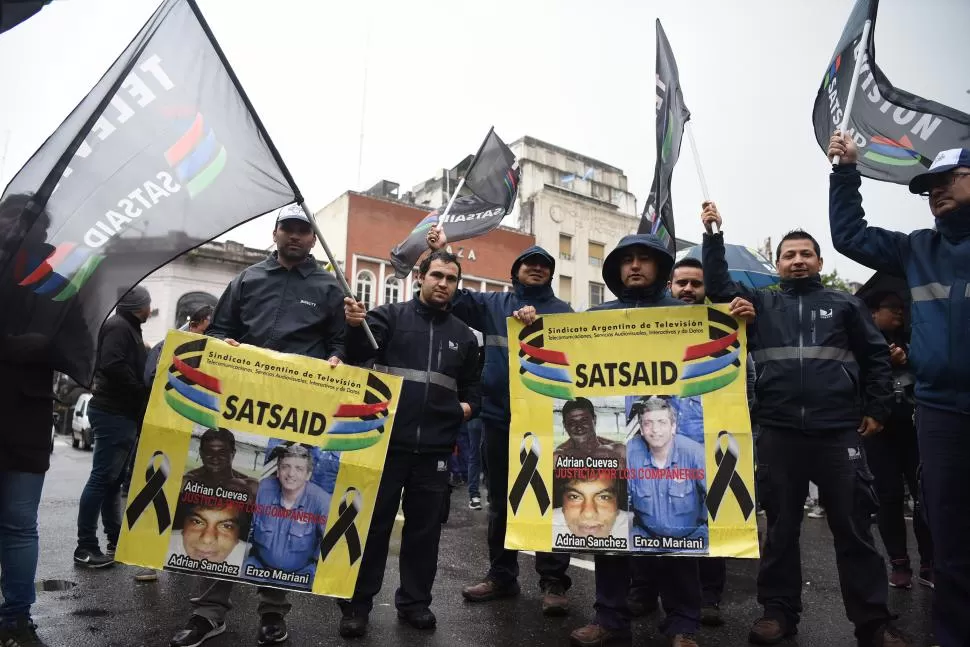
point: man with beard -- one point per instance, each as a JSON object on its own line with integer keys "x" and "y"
{"x": 637, "y": 271}
{"x": 286, "y": 303}
{"x": 823, "y": 386}
{"x": 437, "y": 355}
{"x": 532, "y": 274}
{"x": 934, "y": 262}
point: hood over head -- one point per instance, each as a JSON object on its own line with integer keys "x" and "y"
{"x": 535, "y": 250}
{"x": 611, "y": 266}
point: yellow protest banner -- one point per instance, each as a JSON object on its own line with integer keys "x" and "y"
{"x": 630, "y": 434}
{"x": 257, "y": 466}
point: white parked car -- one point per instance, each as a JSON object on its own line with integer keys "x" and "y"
{"x": 80, "y": 425}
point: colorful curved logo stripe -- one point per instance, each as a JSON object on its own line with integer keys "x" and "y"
{"x": 715, "y": 364}
{"x": 197, "y": 157}
{"x": 358, "y": 426}
{"x": 62, "y": 274}
{"x": 892, "y": 153}
{"x": 543, "y": 370}
{"x": 191, "y": 393}
{"x": 426, "y": 223}
{"x": 832, "y": 72}
{"x": 511, "y": 181}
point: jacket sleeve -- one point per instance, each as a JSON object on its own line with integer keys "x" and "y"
{"x": 227, "y": 319}
{"x": 356, "y": 346}
{"x": 872, "y": 353}
{"x": 471, "y": 307}
{"x": 717, "y": 282}
{"x": 336, "y": 329}
{"x": 114, "y": 362}
{"x": 470, "y": 380}
{"x": 752, "y": 376}
{"x": 873, "y": 247}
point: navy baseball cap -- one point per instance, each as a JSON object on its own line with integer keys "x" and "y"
{"x": 292, "y": 212}
{"x": 945, "y": 162}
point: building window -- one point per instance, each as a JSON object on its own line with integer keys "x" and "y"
{"x": 565, "y": 247}
{"x": 596, "y": 254}
{"x": 189, "y": 303}
{"x": 566, "y": 288}
{"x": 392, "y": 290}
{"x": 595, "y": 294}
{"x": 365, "y": 288}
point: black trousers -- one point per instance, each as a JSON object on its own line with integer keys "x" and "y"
{"x": 893, "y": 456}
{"x": 944, "y": 444}
{"x": 835, "y": 461}
{"x": 423, "y": 479}
{"x": 713, "y": 575}
{"x": 504, "y": 564}
{"x": 674, "y": 578}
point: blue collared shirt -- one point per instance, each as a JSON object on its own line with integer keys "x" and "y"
{"x": 668, "y": 507}
{"x": 690, "y": 417}
{"x": 285, "y": 542}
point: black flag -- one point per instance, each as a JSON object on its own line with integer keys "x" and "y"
{"x": 164, "y": 154}
{"x": 491, "y": 184}
{"x": 672, "y": 117}
{"x": 898, "y": 133}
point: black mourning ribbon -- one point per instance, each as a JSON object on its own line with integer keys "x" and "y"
{"x": 727, "y": 476}
{"x": 152, "y": 494}
{"x": 529, "y": 451}
{"x": 344, "y": 527}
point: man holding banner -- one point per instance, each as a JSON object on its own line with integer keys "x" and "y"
{"x": 638, "y": 271}
{"x": 289, "y": 304}
{"x": 933, "y": 262}
{"x": 532, "y": 274}
{"x": 823, "y": 385}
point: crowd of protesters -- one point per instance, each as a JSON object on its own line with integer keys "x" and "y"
{"x": 855, "y": 397}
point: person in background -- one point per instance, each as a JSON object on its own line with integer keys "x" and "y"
{"x": 934, "y": 262}
{"x": 532, "y": 274}
{"x": 198, "y": 323}
{"x": 893, "y": 455}
{"x": 474, "y": 427}
{"x": 116, "y": 409}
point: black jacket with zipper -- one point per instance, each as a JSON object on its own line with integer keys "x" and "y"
{"x": 821, "y": 362}
{"x": 118, "y": 385}
{"x": 437, "y": 355}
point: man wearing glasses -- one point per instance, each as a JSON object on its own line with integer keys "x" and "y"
{"x": 936, "y": 264}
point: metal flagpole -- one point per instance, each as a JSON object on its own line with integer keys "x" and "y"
{"x": 700, "y": 171}
{"x": 850, "y": 101}
{"x": 341, "y": 279}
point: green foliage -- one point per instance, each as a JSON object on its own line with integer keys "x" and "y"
{"x": 836, "y": 282}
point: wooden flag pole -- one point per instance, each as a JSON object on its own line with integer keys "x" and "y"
{"x": 853, "y": 85}
{"x": 337, "y": 272}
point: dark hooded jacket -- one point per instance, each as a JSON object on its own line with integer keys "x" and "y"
{"x": 487, "y": 312}
{"x": 654, "y": 296}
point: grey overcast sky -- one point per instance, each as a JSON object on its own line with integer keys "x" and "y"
{"x": 575, "y": 73}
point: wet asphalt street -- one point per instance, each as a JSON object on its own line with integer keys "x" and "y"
{"x": 108, "y": 608}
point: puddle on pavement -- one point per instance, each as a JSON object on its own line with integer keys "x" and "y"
{"x": 54, "y": 585}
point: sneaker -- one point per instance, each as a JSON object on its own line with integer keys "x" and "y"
{"x": 272, "y": 629}
{"x": 596, "y": 635}
{"x": 197, "y": 631}
{"x": 111, "y": 550}
{"x": 92, "y": 558}
{"x": 21, "y": 634}
{"x": 146, "y": 575}
{"x": 488, "y": 589}
{"x": 353, "y": 624}
{"x": 889, "y": 636}
{"x": 475, "y": 503}
{"x": 925, "y": 576}
{"x": 769, "y": 631}
{"x": 554, "y": 601}
{"x": 901, "y": 576}
{"x": 711, "y": 615}
{"x": 810, "y": 503}
{"x": 817, "y": 512}
{"x": 684, "y": 640}
{"x": 422, "y": 619}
